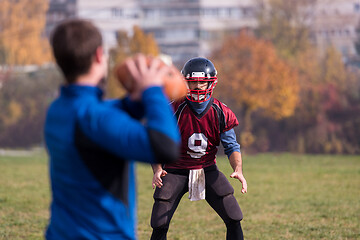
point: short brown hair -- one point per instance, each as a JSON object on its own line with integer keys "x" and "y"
{"x": 74, "y": 43}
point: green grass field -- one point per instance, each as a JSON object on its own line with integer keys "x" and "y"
{"x": 289, "y": 197}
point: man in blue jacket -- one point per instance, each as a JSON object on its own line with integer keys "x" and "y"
{"x": 93, "y": 143}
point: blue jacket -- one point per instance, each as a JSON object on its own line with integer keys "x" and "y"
{"x": 92, "y": 145}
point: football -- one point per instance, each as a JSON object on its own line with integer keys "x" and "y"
{"x": 175, "y": 86}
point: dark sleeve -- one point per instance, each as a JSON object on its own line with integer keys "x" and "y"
{"x": 165, "y": 149}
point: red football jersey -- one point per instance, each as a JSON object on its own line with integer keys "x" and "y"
{"x": 200, "y": 133}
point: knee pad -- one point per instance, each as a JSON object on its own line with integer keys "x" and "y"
{"x": 160, "y": 214}
{"x": 232, "y": 208}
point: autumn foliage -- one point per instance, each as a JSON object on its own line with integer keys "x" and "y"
{"x": 326, "y": 119}
{"x": 255, "y": 77}
{"x": 252, "y": 77}
{"x": 327, "y": 114}
{"x": 21, "y": 26}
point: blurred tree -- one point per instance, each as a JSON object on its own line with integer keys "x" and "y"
{"x": 337, "y": 98}
{"x": 21, "y": 27}
{"x": 324, "y": 82}
{"x": 286, "y": 24}
{"x": 127, "y": 46}
{"x": 23, "y": 103}
{"x": 334, "y": 69}
{"x": 357, "y": 40}
{"x": 329, "y": 92}
{"x": 253, "y": 77}
{"x": 13, "y": 113}
{"x": 143, "y": 43}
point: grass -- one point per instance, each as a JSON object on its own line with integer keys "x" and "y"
{"x": 24, "y": 196}
{"x": 289, "y": 197}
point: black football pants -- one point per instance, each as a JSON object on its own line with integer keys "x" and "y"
{"x": 219, "y": 195}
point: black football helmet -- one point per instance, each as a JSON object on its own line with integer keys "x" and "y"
{"x": 202, "y": 70}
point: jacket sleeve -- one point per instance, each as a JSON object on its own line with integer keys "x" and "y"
{"x": 155, "y": 140}
{"x": 134, "y": 108}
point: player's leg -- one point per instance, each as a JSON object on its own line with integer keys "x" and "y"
{"x": 219, "y": 195}
{"x": 166, "y": 200}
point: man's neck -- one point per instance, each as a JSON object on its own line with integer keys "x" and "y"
{"x": 92, "y": 77}
{"x": 199, "y": 107}
{"x": 88, "y": 80}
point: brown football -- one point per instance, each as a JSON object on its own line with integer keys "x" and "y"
{"x": 175, "y": 86}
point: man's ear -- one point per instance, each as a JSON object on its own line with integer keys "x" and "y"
{"x": 99, "y": 55}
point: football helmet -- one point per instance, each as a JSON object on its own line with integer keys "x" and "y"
{"x": 200, "y": 70}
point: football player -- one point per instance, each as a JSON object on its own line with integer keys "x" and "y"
{"x": 92, "y": 143}
{"x": 203, "y": 122}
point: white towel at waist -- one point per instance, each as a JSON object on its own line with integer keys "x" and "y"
{"x": 196, "y": 184}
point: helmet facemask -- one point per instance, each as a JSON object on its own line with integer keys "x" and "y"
{"x": 200, "y": 95}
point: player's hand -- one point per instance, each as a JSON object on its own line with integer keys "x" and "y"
{"x": 242, "y": 179}
{"x": 145, "y": 74}
{"x": 157, "y": 181}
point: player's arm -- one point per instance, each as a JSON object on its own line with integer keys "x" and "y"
{"x": 235, "y": 160}
{"x": 157, "y": 141}
{"x": 159, "y": 172}
{"x": 232, "y": 150}
{"x": 134, "y": 108}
